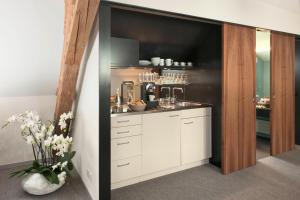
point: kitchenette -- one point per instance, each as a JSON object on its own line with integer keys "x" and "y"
{"x": 165, "y": 95}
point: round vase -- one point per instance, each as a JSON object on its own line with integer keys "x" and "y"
{"x": 37, "y": 184}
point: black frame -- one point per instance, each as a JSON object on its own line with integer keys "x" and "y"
{"x": 104, "y": 85}
{"x": 104, "y": 103}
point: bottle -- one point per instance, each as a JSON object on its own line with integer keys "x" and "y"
{"x": 118, "y": 98}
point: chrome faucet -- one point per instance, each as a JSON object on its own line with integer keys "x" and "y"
{"x": 169, "y": 89}
{"x": 173, "y": 93}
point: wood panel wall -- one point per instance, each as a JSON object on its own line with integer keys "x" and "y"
{"x": 282, "y": 92}
{"x": 238, "y": 98}
{"x": 79, "y": 19}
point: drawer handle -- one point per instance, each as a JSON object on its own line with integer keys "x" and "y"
{"x": 122, "y": 143}
{"x": 123, "y": 132}
{"x": 123, "y": 121}
{"x": 123, "y": 165}
{"x": 173, "y": 115}
{"x": 189, "y": 123}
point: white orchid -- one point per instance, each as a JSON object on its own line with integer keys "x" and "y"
{"x": 63, "y": 120}
{"x": 55, "y": 166}
{"x": 50, "y": 130}
{"x": 62, "y": 177}
{"x": 50, "y": 148}
{"x": 62, "y": 124}
{"x": 30, "y": 139}
{"x": 63, "y": 165}
{"x": 23, "y": 127}
{"x": 48, "y": 142}
{"x": 13, "y": 118}
{"x": 61, "y": 144}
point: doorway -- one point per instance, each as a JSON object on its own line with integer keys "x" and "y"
{"x": 263, "y": 130}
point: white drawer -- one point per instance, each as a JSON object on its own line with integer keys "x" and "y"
{"x": 127, "y": 120}
{"x": 125, "y": 169}
{"x": 125, "y": 147}
{"x": 126, "y": 131}
{"x": 197, "y": 112}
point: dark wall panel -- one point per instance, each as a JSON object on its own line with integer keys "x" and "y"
{"x": 161, "y": 36}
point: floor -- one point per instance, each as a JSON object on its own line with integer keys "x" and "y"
{"x": 262, "y": 148}
{"x": 273, "y": 178}
{"x": 10, "y": 188}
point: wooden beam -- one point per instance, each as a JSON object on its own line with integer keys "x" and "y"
{"x": 79, "y": 19}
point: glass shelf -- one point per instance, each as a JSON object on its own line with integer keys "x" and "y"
{"x": 154, "y": 67}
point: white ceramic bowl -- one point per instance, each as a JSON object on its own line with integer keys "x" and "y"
{"x": 144, "y": 62}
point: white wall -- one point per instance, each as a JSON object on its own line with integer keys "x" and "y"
{"x": 12, "y": 147}
{"x": 30, "y": 46}
{"x": 31, "y": 39}
{"x": 86, "y": 124}
{"x": 280, "y": 15}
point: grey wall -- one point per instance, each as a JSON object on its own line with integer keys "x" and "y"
{"x": 31, "y": 46}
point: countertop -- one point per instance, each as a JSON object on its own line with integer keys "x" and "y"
{"x": 161, "y": 109}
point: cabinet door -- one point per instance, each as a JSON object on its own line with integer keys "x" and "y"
{"x": 125, "y": 169}
{"x": 206, "y": 142}
{"x": 238, "y": 98}
{"x": 160, "y": 141}
{"x": 195, "y": 139}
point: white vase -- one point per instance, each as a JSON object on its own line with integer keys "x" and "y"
{"x": 37, "y": 184}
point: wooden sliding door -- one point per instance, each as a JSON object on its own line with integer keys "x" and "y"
{"x": 282, "y": 92}
{"x": 238, "y": 98}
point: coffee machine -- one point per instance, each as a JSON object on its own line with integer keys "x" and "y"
{"x": 147, "y": 89}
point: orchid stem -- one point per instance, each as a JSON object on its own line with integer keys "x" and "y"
{"x": 34, "y": 152}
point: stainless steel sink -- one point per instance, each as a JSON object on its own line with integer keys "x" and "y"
{"x": 187, "y": 104}
{"x": 167, "y": 106}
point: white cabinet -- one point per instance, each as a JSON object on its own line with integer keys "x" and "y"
{"x": 127, "y": 120}
{"x": 198, "y": 112}
{"x": 125, "y": 169}
{"x": 126, "y": 131}
{"x": 160, "y": 141}
{"x": 155, "y": 144}
{"x": 125, "y": 147}
{"x": 196, "y": 136}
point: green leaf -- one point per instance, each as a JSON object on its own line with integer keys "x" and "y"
{"x": 45, "y": 169}
{"x": 67, "y": 156}
{"x": 23, "y": 171}
{"x": 21, "y": 174}
{"x": 51, "y": 176}
{"x": 34, "y": 171}
{"x": 12, "y": 174}
{"x": 68, "y": 172}
{"x": 70, "y": 166}
{"x": 36, "y": 165}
